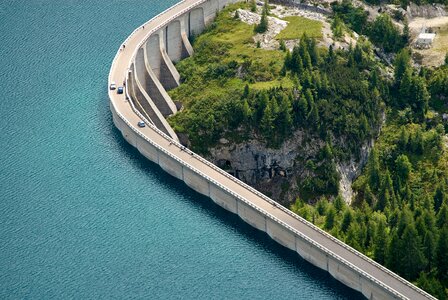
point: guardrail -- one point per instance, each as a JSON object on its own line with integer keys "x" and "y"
{"x": 222, "y": 172}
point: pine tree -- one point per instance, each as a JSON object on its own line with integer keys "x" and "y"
{"x": 406, "y": 36}
{"x": 393, "y": 256}
{"x": 346, "y": 219}
{"x": 267, "y": 121}
{"x": 339, "y": 203}
{"x": 266, "y": 7}
{"x": 284, "y": 118}
{"x": 404, "y": 88}
{"x": 404, "y": 139}
{"x": 246, "y": 91}
{"x": 321, "y": 206}
{"x": 247, "y": 112}
{"x": 417, "y": 142}
{"x": 352, "y": 237}
{"x": 282, "y": 46}
{"x": 442, "y": 254}
{"x": 330, "y": 218}
{"x": 297, "y": 66}
{"x": 439, "y": 197}
{"x": 380, "y": 242}
{"x": 253, "y": 6}
{"x": 306, "y": 59}
{"x": 262, "y": 27}
{"x": 369, "y": 196}
{"x": 420, "y": 96}
{"x": 404, "y": 167}
{"x": 412, "y": 260}
{"x": 402, "y": 64}
{"x": 314, "y": 53}
{"x": 405, "y": 218}
{"x": 288, "y": 61}
{"x": 429, "y": 249}
{"x": 442, "y": 216}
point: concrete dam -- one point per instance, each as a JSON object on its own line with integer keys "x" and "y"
{"x": 144, "y": 64}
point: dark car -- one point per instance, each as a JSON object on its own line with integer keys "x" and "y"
{"x": 120, "y": 90}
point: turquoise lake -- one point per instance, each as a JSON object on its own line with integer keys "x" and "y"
{"x": 82, "y": 214}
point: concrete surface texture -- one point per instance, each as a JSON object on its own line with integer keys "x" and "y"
{"x": 164, "y": 38}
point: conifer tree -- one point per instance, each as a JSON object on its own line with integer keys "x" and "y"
{"x": 352, "y": 236}
{"x": 253, "y": 6}
{"x": 442, "y": 253}
{"x": 442, "y": 216}
{"x": 393, "y": 257}
{"x": 402, "y": 64}
{"x": 380, "y": 242}
{"x": 405, "y": 218}
{"x": 339, "y": 203}
{"x": 262, "y": 27}
{"x": 406, "y": 36}
{"x": 439, "y": 197}
{"x": 330, "y": 218}
{"x": 429, "y": 249}
{"x": 346, "y": 220}
{"x": 369, "y": 196}
{"x": 404, "y": 138}
{"x": 404, "y": 167}
{"x": 413, "y": 260}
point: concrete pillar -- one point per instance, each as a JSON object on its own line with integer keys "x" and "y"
{"x": 171, "y": 166}
{"x": 223, "y": 199}
{"x": 146, "y": 106}
{"x": 311, "y": 254}
{"x": 281, "y": 234}
{"x": 196, "y": 182}
{"x": 152, "y": 85}
{"x": 153, "y": 54}
{"x": 173, "y": 40}
{"x": 169, "y": 77}
{"x": 347, "y": 276}
{"x": 147, "y": 150}
{"x": 252, "y": 216}
{"x": 196, "y": 22}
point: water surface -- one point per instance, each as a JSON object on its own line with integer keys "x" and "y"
{"x": 82, "y": 214}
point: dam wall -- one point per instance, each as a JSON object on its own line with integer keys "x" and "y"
{"x": 149, "y": 72}
{"x": 342, "y": 270}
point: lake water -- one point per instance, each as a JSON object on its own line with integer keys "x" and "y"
{"x": 82, "y": 214}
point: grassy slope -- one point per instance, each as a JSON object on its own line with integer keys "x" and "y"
{"x": 297, "y": 26}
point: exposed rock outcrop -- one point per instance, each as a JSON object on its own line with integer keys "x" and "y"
{"x": 279, "y": 172}
{"x": 426, "y": 11}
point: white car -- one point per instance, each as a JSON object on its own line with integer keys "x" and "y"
{"x": 113, "y": 85}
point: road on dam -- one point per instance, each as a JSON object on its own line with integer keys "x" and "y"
{"x": 122, "y": 106}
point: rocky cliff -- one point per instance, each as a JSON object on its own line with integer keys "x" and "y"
{"x": 278, "y": 173}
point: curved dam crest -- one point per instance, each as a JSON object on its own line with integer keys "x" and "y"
{"x": 145, "y": 64}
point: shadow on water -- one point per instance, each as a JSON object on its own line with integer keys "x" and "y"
{"x": 256, "y": 237}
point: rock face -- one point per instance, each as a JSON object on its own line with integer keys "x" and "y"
{"x": 426, "y": 11}
{"x": 274, "y": 172}
{"x": 278, "y": 172}
{"x": 349, "y": 171}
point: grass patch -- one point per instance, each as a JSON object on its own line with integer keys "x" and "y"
{"x": 297, "y": 26}
{"x": 285, "y": 82}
